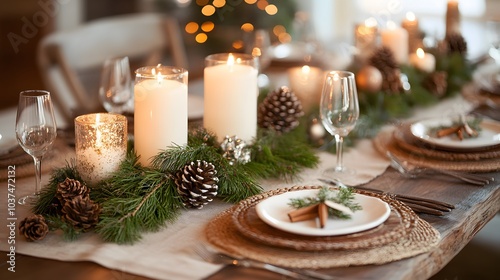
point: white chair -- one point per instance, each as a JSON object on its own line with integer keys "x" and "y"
{"x": 70, "y": 62}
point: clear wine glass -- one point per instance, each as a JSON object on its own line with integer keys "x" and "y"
{"x": 339, "y": 111}
{"x": 115, "y": 90}
{"x": 35, "y": 131}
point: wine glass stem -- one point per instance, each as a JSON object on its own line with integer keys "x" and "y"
{"x": 38, "y": 174}
{"x": 339, "y": 141}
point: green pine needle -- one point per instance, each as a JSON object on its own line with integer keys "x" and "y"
{"x": 344, "y": 196}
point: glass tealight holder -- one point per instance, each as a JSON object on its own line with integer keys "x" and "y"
{"x": 101, "y": 145}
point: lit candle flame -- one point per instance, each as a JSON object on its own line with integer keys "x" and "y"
{"x": 371, "y": 22}
{"x": 420, "y": 53}
{"x": 230, "y": 60}
{"x": 159, "y": 77}
{"x": 306, "y": 69}
{"x": 410, "y": 16}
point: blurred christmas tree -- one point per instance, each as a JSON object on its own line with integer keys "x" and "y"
{"x": 221, "y": 25}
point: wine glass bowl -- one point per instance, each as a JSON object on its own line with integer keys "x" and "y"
{"x": 115, "y": 90}
{"x": 35, "y": 130}
{"x": 339, "y": 111}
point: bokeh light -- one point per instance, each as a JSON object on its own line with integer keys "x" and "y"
{"x": 219, "y": 3}
{"x": 191, "y": 27}
{"x": 207, "y": 26}
{"x": 271, "y": 10}
{"x": 247, "y": 27}
{"x": 262, "y": 4}
{"x": 202, "y": 2}
{"x": 201, "y": 38}
{"x": 208, "y": 10}
{"x": 238, "y": 45}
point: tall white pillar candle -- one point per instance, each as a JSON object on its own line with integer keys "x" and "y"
{"x": 396, "y": 39}
{"x": 230, "y": 96}
{"x": 160, "y": 110}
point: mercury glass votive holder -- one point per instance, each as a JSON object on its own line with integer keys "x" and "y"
{"x": 101, "y": 145}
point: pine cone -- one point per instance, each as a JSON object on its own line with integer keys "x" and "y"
{"x": 81, "y": 212}
{"x": 70, "y": 188}
{"x": 34, "y": 227}
{"x": 456, "y": 43}
{"x": 383, "y": 59}
{"x": 197, "y": 183}
{"x": 436, "y": 83}
{"x": 392, "y": 82}
{"x": 280, "y": 111}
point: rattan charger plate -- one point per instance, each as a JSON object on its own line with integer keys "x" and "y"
{"x": 399, "y": 223}
{"x": 386, "y": 142}
{"x": 407, "y": 141}
{"x": 223, "y": 233}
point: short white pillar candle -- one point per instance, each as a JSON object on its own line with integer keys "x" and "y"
{"x": 306, "y": 82}
{"x": 423, "y": 61}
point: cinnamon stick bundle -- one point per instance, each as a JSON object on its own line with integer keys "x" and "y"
{"x": 304, "y": 213}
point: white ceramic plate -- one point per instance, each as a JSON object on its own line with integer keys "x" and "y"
{"x": 489, "y": 136}
{"x": 273, "y": 211}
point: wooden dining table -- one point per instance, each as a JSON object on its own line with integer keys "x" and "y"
{"x": 474, "y": 207}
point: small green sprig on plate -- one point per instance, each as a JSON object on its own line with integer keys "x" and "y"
{"x": 463, "y": 128}
{"x": 342, "y": 196}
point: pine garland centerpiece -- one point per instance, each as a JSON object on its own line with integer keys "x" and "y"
{"x": 138, "y": 199}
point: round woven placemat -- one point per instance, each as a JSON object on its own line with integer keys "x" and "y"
{"x": 222, "y": 233}
{"x": 384, "y": 142}
{"x": 406, "y": 140}
{"x": 399, "y": 223}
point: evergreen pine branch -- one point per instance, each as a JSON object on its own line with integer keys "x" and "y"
{"x": 45, "y": 205}
{"x": 56, "y": 223}
{"x": 236, "y": 182}
{"x": 136, "y": 200}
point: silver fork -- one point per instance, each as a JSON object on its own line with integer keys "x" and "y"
{"x": 404, "y": 168}
{"x": 220, "y": 258}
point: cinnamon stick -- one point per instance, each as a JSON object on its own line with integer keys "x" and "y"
{"x": 323, "y": 214}
{"x": 303, "y": 214}
{"x": 460, "y": 134}
{"x": 447, "y": 131}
